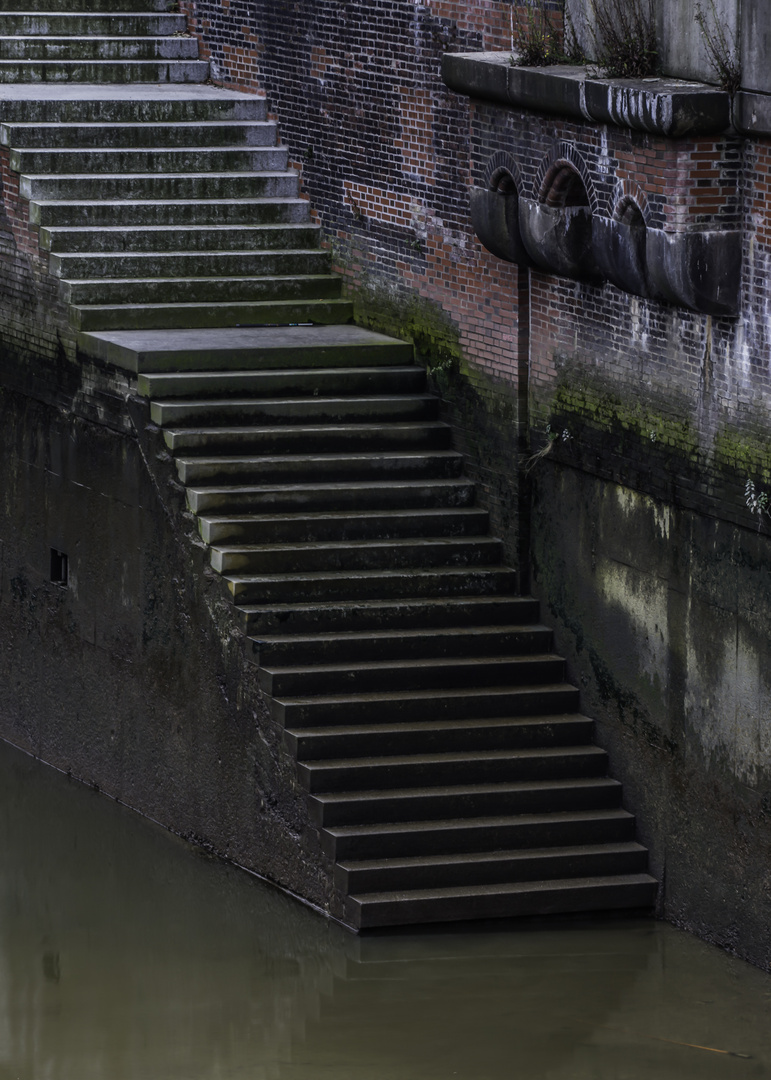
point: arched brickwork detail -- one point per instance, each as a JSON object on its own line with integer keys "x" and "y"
{"x": 565, "y": 154}
{"x": 501, "y": 163}
{"x": 629, "y": 193}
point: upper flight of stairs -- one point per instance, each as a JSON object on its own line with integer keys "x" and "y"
{"x": 446, "y": 764}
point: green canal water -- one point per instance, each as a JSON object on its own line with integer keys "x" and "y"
{"x": 125, "y": 954}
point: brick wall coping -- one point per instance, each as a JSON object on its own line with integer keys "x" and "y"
{"x": 660, "y": 106}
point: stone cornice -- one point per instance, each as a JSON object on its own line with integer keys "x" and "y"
{"x": 661, "y": 106}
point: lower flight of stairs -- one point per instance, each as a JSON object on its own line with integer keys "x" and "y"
{"x": 446, "y": 764}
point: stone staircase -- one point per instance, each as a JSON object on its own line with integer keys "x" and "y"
{"x": 447, "y": 767}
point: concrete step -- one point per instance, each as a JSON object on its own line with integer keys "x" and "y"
{"x": 64, "y": 103}
{"x": 140, "y": 264}
{"x": 442, "y": 769}
{"x": 357, "y": 677}
{"x": 405, "y": 584}
{"x": 120, "y": 292}
{"x": 158, "y": 212}
{"x": 431, "y": 736}
{"x": 86, "y": 49}
{"x": 486, "y": 833}
{"x": 246, "y": 348}
{"x": 293, "y": 382}
{"x": 100, "y": 136}
{"x": 465, "y": 800}
{"x": 342, "y": 525}
{"x": 490, "y": 867}
{"x": 179, "y": 238}
{"x": 119, "y": 21}
{"x": 408, "y": 706}
{"x": 400, "y": 613}
{"x": 149, "y": 317}
{"x": 103, "y": 71}
{"x": 359, "y": 555}
{"x": 323, "y": 439}
{"x": 335, "y": 468}
{"x": 330, "y": 497}
{"x": 166, "y": 186}
{"x": 288, "y": 650}
{"x": 87, "y": 5}
{"x": 221, "y": 412}
{"x": 123, "y": 161}
{"x": 502, "y": 900}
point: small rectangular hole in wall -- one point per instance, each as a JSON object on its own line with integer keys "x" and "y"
{"x": 58, "y": 567}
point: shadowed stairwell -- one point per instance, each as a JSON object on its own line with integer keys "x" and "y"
{"x": 446, "y": 763}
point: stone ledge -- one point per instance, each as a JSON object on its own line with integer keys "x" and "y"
{"x": 660, "y": 106}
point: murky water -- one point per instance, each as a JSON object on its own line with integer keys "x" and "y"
{"x": 123, "y": 954}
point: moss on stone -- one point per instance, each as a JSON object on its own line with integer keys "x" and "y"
{"x": 748, "y": 455}
{"x": 409, "y": 316}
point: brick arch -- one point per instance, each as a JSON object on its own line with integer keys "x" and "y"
{"x": 565, "y": 155}
{"x": 500, "y": 163}
{"x": 627, "y": 193}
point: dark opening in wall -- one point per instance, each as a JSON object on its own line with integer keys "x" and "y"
{"x": 562, "y": 186}
{"x": 629, "y": 213}
{"x": 59, "y": 567}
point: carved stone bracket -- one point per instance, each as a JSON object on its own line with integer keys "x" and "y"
{"x": 699, "y": 269}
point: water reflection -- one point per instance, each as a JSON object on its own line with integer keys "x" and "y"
{"x": 125, "y": 955}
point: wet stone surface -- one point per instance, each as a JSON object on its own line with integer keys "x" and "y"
{"x": 123, "y": 953}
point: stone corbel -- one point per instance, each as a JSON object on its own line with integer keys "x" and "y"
{"x": 495, "y": 217}
{"x": 559, "y": 239}
{"x": 700, "y": 270}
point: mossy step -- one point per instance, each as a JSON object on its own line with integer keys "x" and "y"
{"x": 324, "y": 497}
{"x": 464, "y": 800}
{"x": 410, "y": 705}
{"x": 473, "y": 669}
{"x": 388, "y": 645}
{"x": 244, "y": 348}
{"x": 442, "y": 769}
{"x": 178, "y": 238}
{"x": 325, "y": 467}
{"x": 146, "y": 135}
{"x": 433, "y": 736}
{"x": 393, "y": 554}
{"x": 485, "y": 833}
{"x": 111, "y": 23}
{"x": 502, "y": 900}
{"x": 277, "y": 289}
{"x": 109, "y": 104}
{"x": 332, "y": 587}
{"x": 86, "y": 6}
{"x": 104, "y": 71}
{"x": 207, "y": 315}
{"x": 167, "y": 186}
{"x": 222, "y": 411}
{"x": 127, "y": 212}
{"x": 489, "y": 867}
{"x": 396, "y": 614}
{"x": 128, "y": 264}
{"x": 289, "y": 382}
{"x": 117, "y": 49}
{"x": 161, "y": 159}
{"x": 310, "y": 439}
{"x": 358, "y": 524}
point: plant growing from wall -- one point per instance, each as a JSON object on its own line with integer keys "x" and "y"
{"x": 722, "y": 49}
{"x": 624, "y": 34}
{"x": 757, "y": 502}
{"x": 537, "y": 38}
